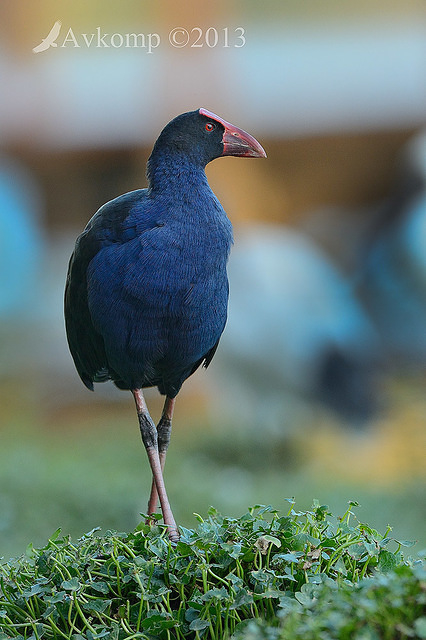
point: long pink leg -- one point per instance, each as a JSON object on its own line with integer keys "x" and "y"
{"x": 164, "y": 429}
{"x": 150, "y": 440}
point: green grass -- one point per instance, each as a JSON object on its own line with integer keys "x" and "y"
{"x": 264, "y": 575}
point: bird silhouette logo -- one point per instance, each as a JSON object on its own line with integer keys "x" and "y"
{"x": 50, "y": 39}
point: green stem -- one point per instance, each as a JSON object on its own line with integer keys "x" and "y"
{"x": 82, "y": 616}
{"x": 338, "y": 551}
{"x": 213, "y": 574}
{"x": 123, "y": 545}
{"x": 132, "y": 635}
{"x": 57, "y": 629}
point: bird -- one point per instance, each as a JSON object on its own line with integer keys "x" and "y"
{"x": 49, "y": 40}
{"x": 146, "y": 293}
{"x": 310, "y": 340}
{"x": 392, "y": 277}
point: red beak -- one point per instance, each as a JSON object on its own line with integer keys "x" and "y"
{"x": 236, "y": 142}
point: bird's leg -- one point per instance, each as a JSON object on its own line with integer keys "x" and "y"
{"x": 150, "y": 440}
{"x": 164, "y": 429}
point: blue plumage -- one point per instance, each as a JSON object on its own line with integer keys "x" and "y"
{"x": 156, "y": 287}
{"x": 147, "y": 289}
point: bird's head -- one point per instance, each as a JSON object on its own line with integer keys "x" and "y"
{"x": 232, "y": 140}
{"x": 203, "y": 136}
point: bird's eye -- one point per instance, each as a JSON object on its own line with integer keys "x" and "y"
{"x": 209, "y": 126}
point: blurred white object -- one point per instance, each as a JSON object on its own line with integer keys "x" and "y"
{"x": 295, "y": 330}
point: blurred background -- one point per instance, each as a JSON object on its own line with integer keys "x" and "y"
{"x": 318, "y": 387}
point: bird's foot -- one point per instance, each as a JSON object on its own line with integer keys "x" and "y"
{"x": 174, "y": 535}
{"x": 173, "y": 532}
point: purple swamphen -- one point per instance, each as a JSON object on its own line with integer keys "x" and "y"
{"x": 147, "y": 290}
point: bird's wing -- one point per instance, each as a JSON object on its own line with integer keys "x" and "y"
{"x": 85, "y": 343}
{"x": 50, "y": 38}
{"x": 54, "y": 32}
{"x": 209, "y": 355}
{"x": 41, "y": 47}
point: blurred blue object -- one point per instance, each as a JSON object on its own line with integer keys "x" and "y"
{"x": 295, "y": 329}
{"x": 20, "y": 239}
{"x": 393, "y": 281}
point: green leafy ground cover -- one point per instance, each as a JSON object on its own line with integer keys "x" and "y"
{"x": 92, "y": 469}
{"x": 265, "y": 575}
